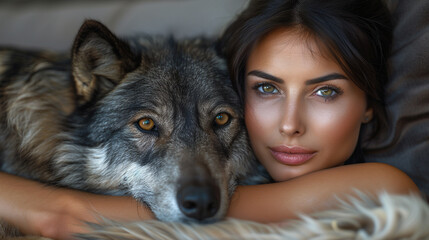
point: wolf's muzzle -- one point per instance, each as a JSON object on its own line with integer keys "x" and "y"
{"x": 198, "y": 194}
{"x": 199, "y": 201}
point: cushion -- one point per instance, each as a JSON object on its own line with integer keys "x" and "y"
{"x": 406, "y": 142}
{"x": 53, "y": 24}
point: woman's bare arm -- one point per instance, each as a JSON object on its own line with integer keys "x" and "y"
{"x": 58, "y": 213}
{"x": 38, "y": 209}
{"x": 316, "y": 191}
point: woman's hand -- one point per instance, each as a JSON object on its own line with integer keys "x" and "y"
{"x": 37, "y": 209}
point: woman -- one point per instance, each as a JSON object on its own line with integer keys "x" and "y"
{"x": 331, "y": 44}
{"x": 310, "y": 74}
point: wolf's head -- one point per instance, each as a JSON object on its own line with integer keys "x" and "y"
{"x": 160, "y": 121}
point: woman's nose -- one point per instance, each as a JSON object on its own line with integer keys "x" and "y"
{"x": 292, "y": 122}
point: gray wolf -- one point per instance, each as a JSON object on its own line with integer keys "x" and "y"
{"x": 151, "y": 117}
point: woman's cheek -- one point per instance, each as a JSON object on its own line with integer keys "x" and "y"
{"x": 261, "y": 121}
{"x": 337, "y": 128}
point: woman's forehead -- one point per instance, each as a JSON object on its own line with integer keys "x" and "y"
{"x": 295, "y": 40}
{"x": 289, "y": 37}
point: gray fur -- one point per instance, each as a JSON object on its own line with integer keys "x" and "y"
{"x": 73, "y": 122}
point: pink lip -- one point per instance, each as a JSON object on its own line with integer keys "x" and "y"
{"x": 292, "y": 155}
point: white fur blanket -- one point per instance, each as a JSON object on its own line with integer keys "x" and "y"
{"x": 387, "y": 217}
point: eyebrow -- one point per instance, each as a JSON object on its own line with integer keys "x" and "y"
{"x": 325, "y": 78}
{"x": 264, "y": 75}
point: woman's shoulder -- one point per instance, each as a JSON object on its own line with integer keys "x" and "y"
{"x": 374, "y": 168}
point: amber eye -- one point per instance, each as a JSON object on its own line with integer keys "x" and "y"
{"x": 222, "y": 119}
{"x": 146, "y": 124}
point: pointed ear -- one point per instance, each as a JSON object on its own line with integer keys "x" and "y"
{"x": 99, "y": 60}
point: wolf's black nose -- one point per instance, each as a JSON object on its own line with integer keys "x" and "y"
{"x": 199, "y": 201}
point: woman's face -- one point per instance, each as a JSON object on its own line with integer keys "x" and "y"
{"x": 302, "y": 112}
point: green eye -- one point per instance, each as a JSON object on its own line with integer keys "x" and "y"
{"x": 222, "y": 119}
{"x": 326, "y": 92}
{"x": 267, "y": 88}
